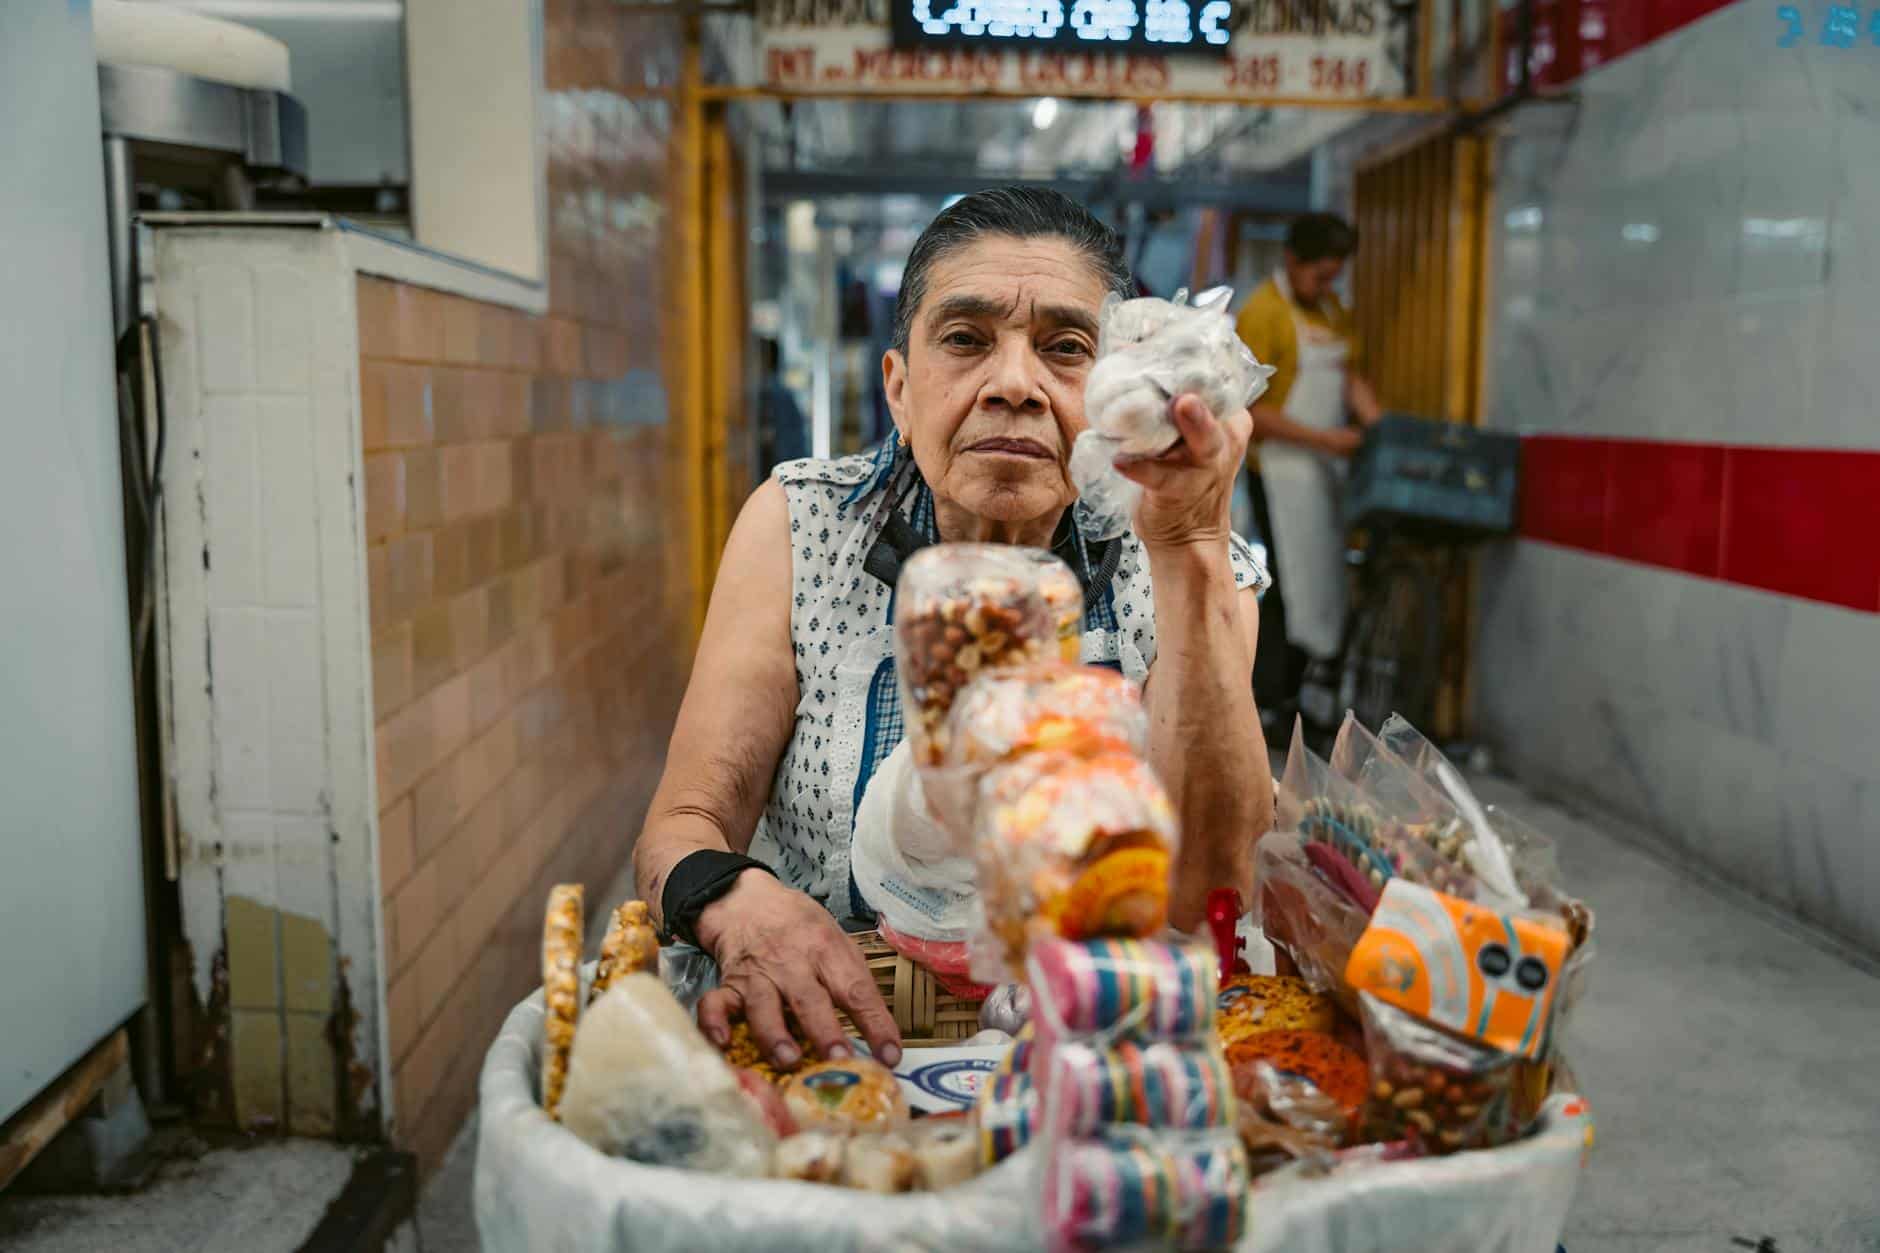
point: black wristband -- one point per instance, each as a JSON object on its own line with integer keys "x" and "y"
{"x": 695, "y": 882}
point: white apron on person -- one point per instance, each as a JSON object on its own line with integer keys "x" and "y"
{"x": 1302, "y": 491}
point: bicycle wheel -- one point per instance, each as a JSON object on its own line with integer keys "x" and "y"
{"x": 1395, "y": 653}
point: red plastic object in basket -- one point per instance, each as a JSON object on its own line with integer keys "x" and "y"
{"x": 1223, "y": 921}
{"x": 945, "y": 959}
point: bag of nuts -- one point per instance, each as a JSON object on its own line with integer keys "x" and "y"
{"x": 1438, "y": 1091}
{"x": 961, "y": 610}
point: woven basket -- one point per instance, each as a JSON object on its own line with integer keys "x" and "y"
{"x": 927, "y": 1014}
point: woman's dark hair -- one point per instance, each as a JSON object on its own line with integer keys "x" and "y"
{"x": 1017, "y": 212}
{"x": 1316, "y": 236}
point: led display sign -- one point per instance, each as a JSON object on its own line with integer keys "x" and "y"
{"x": 1201, "y": 28}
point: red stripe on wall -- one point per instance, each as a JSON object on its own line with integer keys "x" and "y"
{"x": 1799, "y": 521}
{"x": 1574, "y": 36}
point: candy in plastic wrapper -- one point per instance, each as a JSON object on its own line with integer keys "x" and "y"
{"x": 1314, "y": 1058}
{"x": 644, "y": 1084}
{"x": 1149, "y": 353}
{"x": 880, "y": 1163}
{"x": 1090, "y": 1085}
{"x": 1184, "y": 1190}
{"x": 1146, "y": 989}
{"x": 1250, "y": 1004}
{"x": 961, "y": 610}
{"x": 1006, "y": 1008}
{"x": 1299, "y": 910}
{"x": 946, "y": 1152}
{"x": 1077, "y": 709}
{"x": 1073, "y": 846}
{"x": 1437, "y": 1090}
{"x": 1004, "y": 715}
{"x": 1007, "y": 1114}
{"x": 1017, "y": 1059}
{"x": 810, "y": 1156}
{"x": 857, "y": 1094}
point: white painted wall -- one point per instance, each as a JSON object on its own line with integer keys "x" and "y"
{"x": 474, "y": 75}
{"x": 71, "y": 888}
{"x": 1693, "y": 254}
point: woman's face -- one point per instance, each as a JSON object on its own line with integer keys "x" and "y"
{"x": 990, "y": 394}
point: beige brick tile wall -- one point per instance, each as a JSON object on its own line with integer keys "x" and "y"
{"x": 528, "y": 652}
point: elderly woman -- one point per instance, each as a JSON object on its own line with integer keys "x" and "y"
{"x": 792, "y": 703}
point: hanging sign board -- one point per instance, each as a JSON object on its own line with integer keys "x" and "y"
{"x": 1323, "y": 49}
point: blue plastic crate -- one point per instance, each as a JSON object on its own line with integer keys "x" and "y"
{"x": 1435, "y": 477}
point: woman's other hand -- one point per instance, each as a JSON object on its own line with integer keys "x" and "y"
{"x": 777, "y": 948}
{"x": 1188, "y": 491}
{"x": 1341, "y": 441}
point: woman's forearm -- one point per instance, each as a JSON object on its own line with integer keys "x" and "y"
{"x": 1204, "y": 730}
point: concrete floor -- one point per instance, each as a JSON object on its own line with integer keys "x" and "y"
{"x": 268, "y": 1195}
{"x": 1732, "y": 1060}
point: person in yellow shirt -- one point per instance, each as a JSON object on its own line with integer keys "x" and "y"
{"x": 1307, "y": 424}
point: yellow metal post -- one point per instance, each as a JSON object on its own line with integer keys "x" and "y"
{"x": 689, "y": 290}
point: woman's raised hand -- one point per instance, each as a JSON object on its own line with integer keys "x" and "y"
{"x": 1188, "y": 491}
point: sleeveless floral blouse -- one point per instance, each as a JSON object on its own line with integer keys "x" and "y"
{"x": 848, "y": 712}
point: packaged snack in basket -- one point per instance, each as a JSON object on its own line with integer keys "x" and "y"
{"x": 1316, "y": 924}
{"x": 1064, "y": 596}
{"x": 644, "y": 1084}
{"x": 946, "y": 1152}
{"x": 1147, "y": 989}
{"x": 961, "y": 610}
{"x": 561, "y": 989}
{"x": 1346, "y": 825}
{"x": 1075, "y": 847}
{"x": 1089, "y": 1085}
{"x": 1181, "y": 1190}
{"x": 1284, "y": 1117}
{"x": 1486, "y": 975}
{"x": 855, "y": 1094}
{"x": 1007, "y": 1008}
{"x": 1439, "y": 1091}
{"x": 1007, "y": 1114}
{"x": 880, "y": 1163}
{"x": 1048, "y": 706}
{"x": 1316, "y": 1059}
{"x": 1082, "y": 710}
{"x": 1251, "y": 1004}
{"x": 811, "y": 1156}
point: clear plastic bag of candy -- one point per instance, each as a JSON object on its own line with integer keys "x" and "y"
{"x": 1080, "y": 710}
{"x": 1354, "y": 844}
{"x": 1314, "y": 923}
{"x": 1071, "y": 846}
{"x": 1439, "y": 1091}
{"x": 1064, "y": 596}
{"x": 960, "y": 611}
{"x": 1149, "y": 352}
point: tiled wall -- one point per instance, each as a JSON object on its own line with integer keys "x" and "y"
{"x": 1691, "y": 256}
{"x": 526, "y": 577}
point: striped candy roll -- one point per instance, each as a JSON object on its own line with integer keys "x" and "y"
{"x": 1214, "y": 1183}
{"x": 1008, "y": 1114}
{"x": 1160, "y": 1084}
{"x": 1142, "y": 988}
{"x": 1104, "y": 1193}
{"x": 1017, "y": 1059}
{"x": 1097, "y": 1195}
